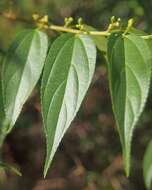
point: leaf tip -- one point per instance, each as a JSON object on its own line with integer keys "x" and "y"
{"x": 46, "y": 168}
{"x": 127, "y": 166}
{"x": 44, "y": 174}
{"x": 127, "y": 172}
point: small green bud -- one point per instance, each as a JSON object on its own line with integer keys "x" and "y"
{"x": 119, "y": 19}
{"x": 68, "y": 21}
{"x": 71, "y": 19}
{"x": 116, "y": 24}
{"x": 35, "y": 17}
{"x": 130, "y": 22}
{"x": 113, "y": 19}
{"x": 44, "y": 19}
{"x": 65, "y": 19}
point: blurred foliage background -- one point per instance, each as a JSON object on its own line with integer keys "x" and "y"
{"x": 89, "y": 157}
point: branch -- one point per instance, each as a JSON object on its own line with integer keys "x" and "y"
{"x": 42, "y": 23}
{"x": 75, "y": 31}
{"x": 14, "y": 18}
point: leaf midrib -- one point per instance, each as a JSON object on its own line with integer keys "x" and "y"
{"x": 50, "y": 77}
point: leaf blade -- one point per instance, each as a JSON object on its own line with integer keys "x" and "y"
{"x": 129, "y": 77}
{"x": 76, "y": 68}
{"x": 21, "y": 69}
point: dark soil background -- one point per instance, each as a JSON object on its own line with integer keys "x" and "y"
{"x": 89, "y": 157}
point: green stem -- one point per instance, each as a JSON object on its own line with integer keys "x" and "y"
{"x": 75, "y": 31}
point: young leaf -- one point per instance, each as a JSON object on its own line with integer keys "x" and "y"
{"x": 147, "y": 166}
{"x": 22, "y": 68}
{"x": 129, "y": 78}
{"x": 67, "y": 75}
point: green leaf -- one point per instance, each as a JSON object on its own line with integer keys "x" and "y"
{"x": 147, "y": 166}
{"x": 129, "y": 78}
{"x": 67, "y": 75}
{"x": 22, "y": 68}
{"x": 100, "y": 41}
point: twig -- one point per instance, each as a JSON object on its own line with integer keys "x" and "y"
{"x": 14, "y": 18}
{"x": 106, "y": 33}
{"x": 75, "y": 31}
